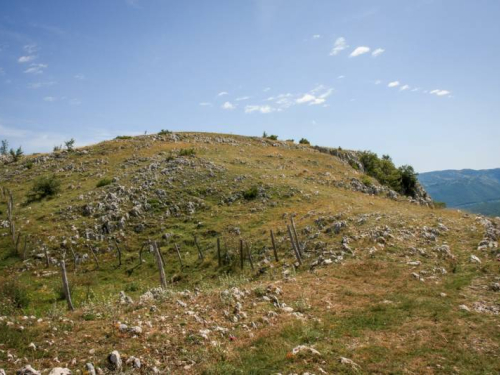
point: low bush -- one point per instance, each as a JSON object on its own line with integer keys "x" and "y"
{"x": 124, "y": 137}
{"x": 187, "y": 152}
{"x": 104, "y": 182}
{"x": 251, "y": 193}
{"x": 43, "y": 187}
{"x": 14, "y": 294}
{"x": 304, "y": 141}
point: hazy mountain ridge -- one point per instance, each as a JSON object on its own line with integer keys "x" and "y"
{"x": 473, "y": 190}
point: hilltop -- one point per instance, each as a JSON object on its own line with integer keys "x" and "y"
{"x": 370, "y": 281}
{"x": 472, "y": 190}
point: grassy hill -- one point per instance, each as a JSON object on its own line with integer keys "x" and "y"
{"x": 384, "y": 284}
{"x": 472, "y": 190}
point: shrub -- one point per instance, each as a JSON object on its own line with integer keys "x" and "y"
{"x": 264, "y": 135}
{"x": 4, "y": 148}
{"x": 164, "y": 132}
{"x": 123, "y": 137}
{"x": 46, "y": 186}
{"x": 251, "y": 193}
{"x": 439, "y": 205}
{"x": 304, "y": 141}
{"x": 366, "y": 180}
{"x": 187, "y": 152}
{"x": 408, "y": 180}
{"x": 57, "y": 148}
{"x": 15, "y": 294}
{"x": 273, "y": 137}
{"x": 70, "y": 145}
{"x": 104, "y": 182}
{"x": 16, "y": 155}
{"x": 29, "y": 164}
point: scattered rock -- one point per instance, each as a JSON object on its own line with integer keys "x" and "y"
{"x": 28, "y": 370}
{"x": 463, "y": 308}
{"x": 304, "y": 348}
{"x": 60, "y": 371}
{"x": 115, "y": 360}
{"x": 350, "y": 362}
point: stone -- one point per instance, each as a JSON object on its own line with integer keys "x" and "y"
{"x": 304, "y": 348}
{"x": 474, "y": 259}
{"x": 495, "y": 287}
{"x": 463, "y": 308}
{"x": 349, "y": 362}
{"x": 115, "y": 360}
{"x": 134, "y": 362}
{"x": 28, "y": 370}
{"x": 60, "y": 371}
{"x": 89, "y": 367}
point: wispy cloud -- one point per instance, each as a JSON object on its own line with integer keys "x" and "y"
{"x": 378, "y": 52}
{"x": 2, "y": 72}
{"x": 37, "y": 85}
{"x": 228, "y": 106}
{"x": 360, "y": 51}
{"x": 259, "y": 108}
{"x": 205, "y": 104}
{"x": 316, "y": 36}
{"x": 340, "y": 77}
{"x": 25, "y": 59}
{"x": 316, "y": 96}
{"x": 242, "y": 98}
{"x": 80, "y": 76}
{"x": 404, "y": 88}
{"x": 36, "y": 68}
{"x": 267, "y": 89}
{"x": 31, "y": 48}
{"x": 439, "y": 92}
{"x": 393, "y": 84}
{"x": 49, "y": 99}
{"x": 339, "y": 45}
{"x": 222, "y": 93}
{"x": 377, "y": 82}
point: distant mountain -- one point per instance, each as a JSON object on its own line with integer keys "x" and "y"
{"x": 472, "y": 190}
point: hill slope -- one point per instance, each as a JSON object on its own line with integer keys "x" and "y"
{"x": 384, "y": 284}
{"x": 473, "y": 190}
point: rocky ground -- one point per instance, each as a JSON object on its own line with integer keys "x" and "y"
{"x": 381, "y": 283}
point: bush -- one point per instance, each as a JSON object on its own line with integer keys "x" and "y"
{"x": 104, "y": 182}
{"x": 15, "y": 294}
{"x": 273, "y": 137}
{"x": 123, "y": 137}
{"x": 304, "y": 141}
{"x": 251, "y": 193}
{"x": 366, "y": 180}
{"x": 164, "y": 132}
{"x": 439, "y": 205}
{"x": 70, "y": 145}
{"x": 46, "y": 186}
{"x": 402, "y": 180}
{"x": 187, "y": 152}
{"x": 17, "y": 154}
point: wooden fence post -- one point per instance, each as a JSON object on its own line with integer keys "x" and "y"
{"x": 66, "y": 286}
{"x": 178, "y": 254}
{"x": 299, "y": 248}
{"x": 159, "y": 262}
{"x": 274, "y": 246}
{"x": 200, "y": 253}
{"x": 94, "y": 256}
{"x": 297, "y": 254}
{"x": 119, "y": 252}
{"x": 249, "y": 256}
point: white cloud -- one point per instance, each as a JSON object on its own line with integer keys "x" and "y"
{"x": 440, "y": 92}
{"x": 259, "y": 108}
{"x": 222, "y": 93}
{"x": 340, "y": 77}
{"x": 228, "y": 106}
{"x": 393, "y": 84}
{"x": 2, "y": 72}
{"x": 49, "y": 99}
{"x": 416, "y": 89}
{"x": 405, "y": 87}
{"x": 305, "y": 99}
{"x": 205, "y": 104}
{"x": 80, "y": 76}
{"x": 378, "y": 52}
{"x": 25, "y": 59}
{"x": 316, "y": 36}
{"x": 378, "y": 82}
{"x": 242, "y": 98}
{"x": 36, "y": 68}
{"x": 360, "y": 51}
{"x": 267, "y": 89}
{"x": 37, "y": 85}
{"x": 31, "y": 48}
{"x": 75, "y": 102}
{"x": 339, "y": 45}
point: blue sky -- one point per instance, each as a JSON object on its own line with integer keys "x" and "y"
{"x": 418, "y": 80}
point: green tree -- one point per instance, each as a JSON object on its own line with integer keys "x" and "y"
{"x": 4, "y": 149}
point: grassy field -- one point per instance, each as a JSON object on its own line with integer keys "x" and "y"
{"x": 382, "y": 292}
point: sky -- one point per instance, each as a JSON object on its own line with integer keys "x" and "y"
{"x": 417, "y": 79}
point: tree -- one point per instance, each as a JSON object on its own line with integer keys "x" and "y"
{"x": 264, "y": 135}
{"x": 304, "y": 141}
{"x": 16, "y": 155}
{"x": 70, "y": 145}
{"x": 4, "y": 149}
{"x": 408, "y": 180}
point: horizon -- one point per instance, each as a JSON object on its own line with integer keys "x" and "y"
{"x": 417, "y": 81}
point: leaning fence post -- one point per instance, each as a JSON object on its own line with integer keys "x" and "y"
{"x": 95, "y": 256}
{"x": 295, "y": 236}
{"x": 160, "y": 264}
{"x": 297, "y": 254}
{"x": 200, "y": 253}
{"x": 250, "y": 256}
{"x": 66, "y": 286}
{"x": 274, "y": 246}
{"x": 178, "y": 254}
{"x": 119, "y": 252}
